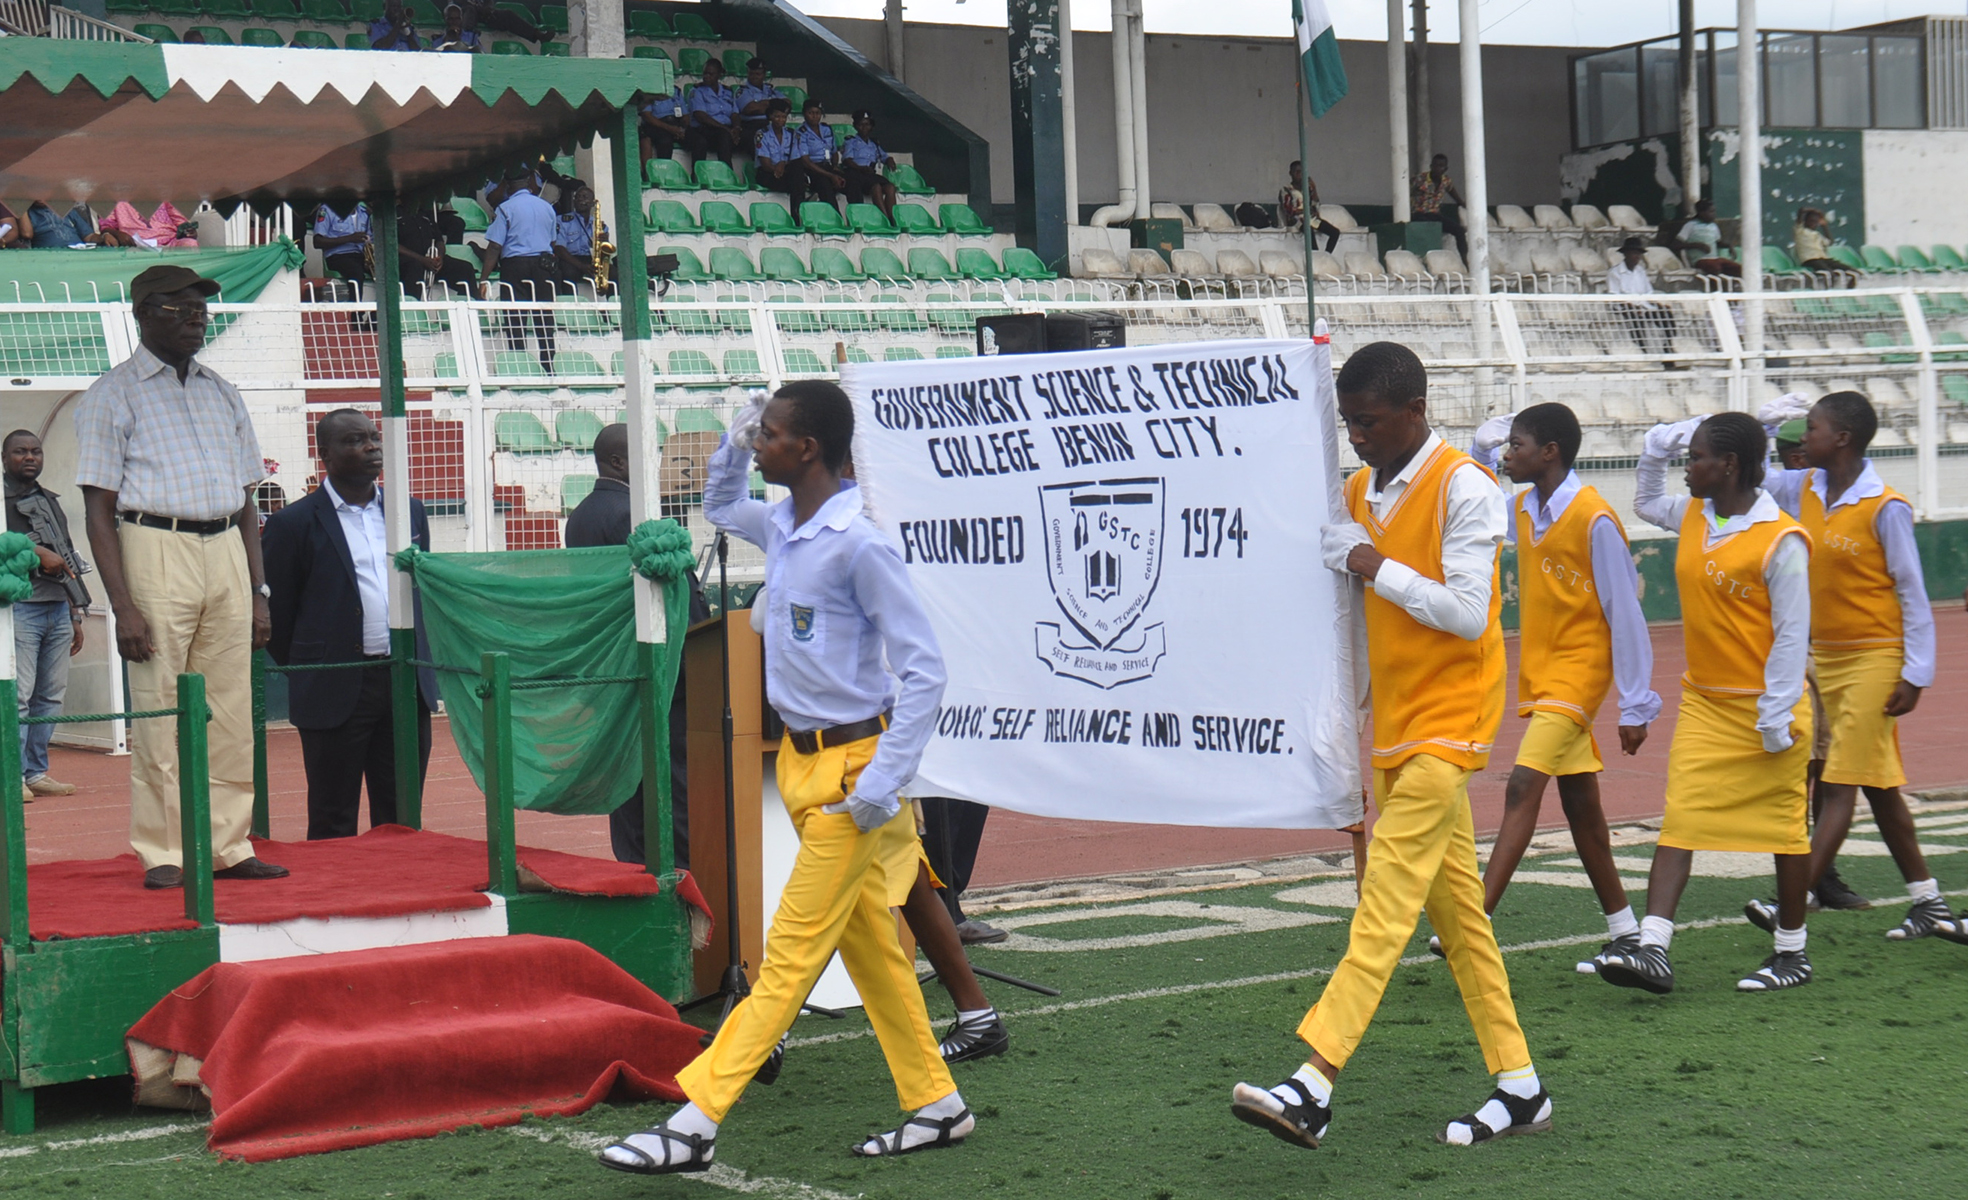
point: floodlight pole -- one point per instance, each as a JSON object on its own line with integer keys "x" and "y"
{"x": 404, "y": 726}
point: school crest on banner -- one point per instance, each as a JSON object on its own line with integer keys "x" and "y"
{"x": 1103, "y": 560}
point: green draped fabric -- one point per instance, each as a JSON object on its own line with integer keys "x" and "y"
{"x": 104, "y": 274}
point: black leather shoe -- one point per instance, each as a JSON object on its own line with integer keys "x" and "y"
{"x": 158, "y": 878}
{"x": 252, "y": 868}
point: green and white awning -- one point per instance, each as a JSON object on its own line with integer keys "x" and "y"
{"x": 257, "y": 125}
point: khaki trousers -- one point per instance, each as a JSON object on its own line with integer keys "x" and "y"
{"x": 194, "y": 593}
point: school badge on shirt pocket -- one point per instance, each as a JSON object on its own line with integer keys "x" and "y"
{"x": 802, "y": 621}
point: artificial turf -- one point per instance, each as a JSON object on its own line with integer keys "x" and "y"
{"x": 1856, "y": 1085}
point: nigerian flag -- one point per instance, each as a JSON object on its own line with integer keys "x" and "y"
{"x": 1318, "y": 54}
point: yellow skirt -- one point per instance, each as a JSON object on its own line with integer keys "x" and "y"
{"x": 1554, "y": 744}
{"x": 1723, "y": 791}
{"x": 1865, "y": 742}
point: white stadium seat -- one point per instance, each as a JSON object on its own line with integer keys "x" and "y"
{"x": 1147, "y": 263}
{"x": 1279, "y": 265}
{"x": 1325, "y": 266}
{"x": 1102, "y": 264}
{"x": 1214, "y": 218}
{"x": 1171, "y": 212}
{"x": 1191, "y": 263}
{"x": 1588, "y": 216}
{"x": 1512, "y": 216}
{"x": 1550, "y": 216}
{"x": 1234, "y": 262}
{"x": 1362, "y": 265}
{"x": 1336, "y": 216}
{"x": 1628, "y": 218}
{"x": 1444, "y": 262}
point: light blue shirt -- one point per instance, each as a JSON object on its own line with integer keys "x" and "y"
{"x": 368, "y": 542}
{"x": 747, "y": 94}
{"x": 167, "y": 448}
{"x": 718, "y": 103}
{"x": 815, "y": 145}
{"x": 524, "y": 226}
{"x": 777, "y": 147}
{"x": 863, "y": 151}
{"x": 668, "y": 108}
{"x": 575, "y": 235}
{"x": 839, "y": 603}
{"x": 327, "y": 224}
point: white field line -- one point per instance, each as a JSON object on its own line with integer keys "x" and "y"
{"x": 105, "y": 1139}
{"x": 730, "y": 1179}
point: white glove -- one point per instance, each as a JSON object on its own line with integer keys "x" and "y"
{"x": 745, "y": 426}
{"x": 1671, "y": 440}
{"x": 1776, "y": 741}
{"x": 1337, "y": 541}
{"x": 868, "y": 815}
{"x": 1492, "y": 434}
{"x": 1787, "y": 407}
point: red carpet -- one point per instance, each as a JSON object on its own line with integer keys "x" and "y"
{"x": 385, "y": 872}
{"x": 331, "y": 1051}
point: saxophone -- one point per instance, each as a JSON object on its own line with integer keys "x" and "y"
{"x": 601, "y": 251}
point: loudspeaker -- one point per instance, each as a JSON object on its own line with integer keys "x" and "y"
{"x": 1085, "y": 331}
{"x": 1011, "y": 333}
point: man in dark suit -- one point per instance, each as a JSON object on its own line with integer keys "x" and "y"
{"x": 603, "y": 519}
{"x": 327, "y": 563}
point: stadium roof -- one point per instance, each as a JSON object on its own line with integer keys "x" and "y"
{"x": 254, "y": 125}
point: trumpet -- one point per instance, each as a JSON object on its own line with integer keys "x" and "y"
{"x": 601, "y": 251}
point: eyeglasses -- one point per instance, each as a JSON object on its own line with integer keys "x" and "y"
{"x": 185, "y": 314}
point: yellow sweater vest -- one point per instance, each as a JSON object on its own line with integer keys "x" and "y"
{"x": 1853, "y": 604}
{"x": 1565, "y": 650}
{"x": 1725, "y": 606}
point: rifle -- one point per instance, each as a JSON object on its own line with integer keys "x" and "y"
{"x": 45, "y": 530}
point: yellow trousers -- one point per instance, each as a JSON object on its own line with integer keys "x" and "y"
{"x": 837, "y": 898}
{"x": 1423, "y": 853}
{"x": 194, "y": 594}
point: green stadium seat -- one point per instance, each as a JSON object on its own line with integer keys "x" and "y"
{"x": 690, "y": 25}
{"x": 650, "y": 52}
{"x": 735, "y": 320}
{"x": 962, "y": 219}
{"x": 955, "y": 352}
{"x": 800, "y": 321}
{"x": 734, "y": 264}
{"x": 1948, "y": 258}
{"x": 927, "y": 262}
{"x": 1948, "y": 337}
{"x": 973, "y": 263}
{"x": 915, "y": 219}
{"x": 261, "y": 37}
{"x": 856, "y": 354}
{"x": 691, "y": 60}
{"x": 910, "y": 182}
{"x": 832, "y": 263}
{"x": 696, "y": 420}
{"x": 428, "y": 14}
{"x": 361, "y": 10}
{"x": 463, "y": 253}
{"x": 899, "y": 315}
{"x": 1955, "y": 388}
{"x": 947, "y": 315}
{"x": 1876, "y": 258}
{"x": 128, "y": 6}
{"x": 780, "y": 262}
{"x": 214, "y": 36}
{"x": 1944, "y": 304}
{"x": 770, "y": 217}
{"x": 842, "y": 132}
{"x": 576, "y": 428}
{"x": 555, "y": 50}
{"x": 901, "y": 354}
{"x": 312, "y": 39}
{"x": 1020, "y": 263}
{"x": 446, "y": 366}
{"x": 516, "y": 49}
{"x": 1913, "y": 258}
{"x": 1876, "y": 340}
{"x": 742, "y": 364}
{"x": 518, "y": 363}
{"x": 575, "y": 318}
{"x": 879, "y": 262}
{"x": 689, "y": 319}
{"x": 520, "y": 432}
{"x": 689, "y": 267}
{"x": 226, "y": 9}
{"x": 714, "y": 176}
{"x": 869, "y": 221}
{"x": 574, "y": 489}
{"x": 722, "y": 216}
{"x": 356, "y": 41}
{"x": 802, "y": 361}
{"x": 176, "y": 8}
{"x": 156, "y": 33}
{"x": 689, "y": 362}
{"x": 649, "y": 23}
{"x": 796, "y": 97}
{"x": 1848, "y": 256}
{"x": 324, "y": 12}
{"x": 821, "y": 219}
{"x": 849, "y": 320}
{"x": 672, "y": 216}
{"x": 736, "y": 63}
{"x": 1777, "y": 261}
{"x": 554, "y": 17}
{"x": 468, "y": 210}
{"x": 668, "y": 174}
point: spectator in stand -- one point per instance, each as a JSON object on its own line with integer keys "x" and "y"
{"x": 519, "y": 245}
{"x": 573, "y": 242}
{"x": 421, "y": 240}
{"x": 1647, "y": 320}
{"x": 1699, "y": 241}
{"x": 1299, "y": 197}
{"x": 48, "y": 624}
{"x": 714, "y": 130}
{"x": 1810, "y": 241}
{"x": 14, "y": 231}
{"x": 393, "y": 30}
{"x": 168, "y": 464}
{"x": 457, "y": 38}
{"x": 78, "y": 228}
{"x": 754, "y": 98}
{"x": 862, "y": 163}
{"x": 342, "y": 240}
{"x": 814, "y": 144}
{"x": 663, "y": 121}
{"x": 193, "y": 37}
{"x": 482, "y": 14}
{"x": 165, "y": 226}
{"x": 1430, "y": 190}
{"x": 777, "y": 161}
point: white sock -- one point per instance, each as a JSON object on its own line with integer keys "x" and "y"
{"x": 686, "y": 1120}
{"x": 1924, "y": 889}
{"x": 1521, "y": 1083}
{"x": 1316, "y": 1083}
{"x": 948, "y": 1106}
{"x": 976, "y": 1016}
{"x": 691, "y": 1119}
{"x": 1790, "y": 941}
{"x": 1621, "y": 923}
{"x": 1656, "y": 931}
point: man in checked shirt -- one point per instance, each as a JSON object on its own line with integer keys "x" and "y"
{"x": 168, "y": 467}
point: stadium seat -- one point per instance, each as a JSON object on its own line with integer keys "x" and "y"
{"x": 962, "y": 220}
{"x": 910, "y": 182}
{"x": 1190, "y": 264}
{"x": 1147, "y": 264}
{"x": 975, "y": 263}
{"x": 879, "y": 262}
{"x": 689, "y": 363}
{"x": 780, "y": 262}
{"x": 672, "y": 216}
{"x": 1955, "y": 388}
{"x": 714, "y": 176}
{"x": 362, "y": 10}
{"x": 234, "y": 10}
{"x": 313, "y": 39}
{"x": 869, "y": 221}
{"x": 696, "y": 420}
{"x": 521, "y": 432}
{"x": 518, "y": 363}
{"x": 1550, "y": 216}
{"x": 1913, "y": 258}
{"x": 802, "y": 361}
{"x": 1844, "y": 254}
{"x": 156, "y": 33}
{"x": 796, "y": 321}
{"x": 832, "y": 263}
{"x": 733, "y": 263}
{"x": 926, "y": 262}
{"x": 849, "y": 320}
{"x": 1324, "y": 267}
{"x": 1628, "y": 218}
{"x": 1336, "y": 216}
{"x": 1588, "y": 216}
{"x": 1513, "y": 217}
{"x": 770, "y": 217}
{"x": 324, "y": 12}
{"x": 214, "y": 36}
{"x": 650, "y": 52}
{"x": 1229, "y": 263}
{"x": 1444, "y": 264}
{"x": 425, "y": 13}
{"x": 1948, "y": 258}
{"x": 741, "y": 364}
{"x": 576, "y": 428}
{"x": 821, "y": 219}
{"x": 1876, "y": 259}
{"x": 356, "y": 41}
{"x": 668, "y": 174}
{"x": 722, "y": 216}
{"x": 1102, "y": 264}
{"x": 260, "y": 37}
{"x": 1777, "y": 261}
{"x": 1214, "y": 218}
{"x": 575, "y": 488}
{"x": 856, "y": 354}
{"x": 1279, "y": 265}
{"x": 1404, "y": 266}
{"x": 842, "y": 132}
{"x": 690, "y": 25}
{"x": 1875, "y": 340}
{"x": 736, "y": 62}
{"x": 911, "y": 354}
{"x": 515, "y": 49}
{"x": 955, "y": 352}
{"x": 470, "y": 213}
{"x": 185, "y": 8}
{"x": 898, "y": 314}
{"x": 554, "y": 17}
{"x": 691, "y": 60}
{"x": 795, "y": 99}
{"x": 1358, "y": 263}
{"x": 556, "y": 50}
{"x": 648, "y": 23}
{"x": 1171, "y": 212}
{"x": 915, "y": 219}
{"x": 689, "y": 268}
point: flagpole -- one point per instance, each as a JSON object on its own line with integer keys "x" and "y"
{"x": 1305, "y": 203}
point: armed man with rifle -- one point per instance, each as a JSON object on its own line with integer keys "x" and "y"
{"x": 48, "y": 625}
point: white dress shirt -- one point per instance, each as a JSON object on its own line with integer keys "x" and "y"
{"x": 368, "y": 542}
{"x": 1623, "y": 280}
{"x": 1473, "y": 527}
{"x": 851, "y": 595}
{"x": 1788, "y": 576}
{"x": 1894, "y": 527}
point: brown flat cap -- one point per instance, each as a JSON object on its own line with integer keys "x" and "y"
{"x": 164, "y": 279}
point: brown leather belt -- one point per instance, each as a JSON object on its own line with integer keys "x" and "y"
{"x": 179, "y": 524}
{"x": 813, "y": 741}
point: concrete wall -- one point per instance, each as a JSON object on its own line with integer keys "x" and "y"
{"x": 1222, "y": 111}
{"x": 1914, "y": 181}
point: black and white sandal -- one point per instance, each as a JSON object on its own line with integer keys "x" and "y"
{"x": 768, "y": 1072}
{"x": 888, "y": 1145}
{"x": 621, "y": 1156}
{"x": 1301, "y": 1124}
{"x": 1527, "y": 1115}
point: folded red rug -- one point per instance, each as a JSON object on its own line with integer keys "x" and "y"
{"x": 331, "y": 1051}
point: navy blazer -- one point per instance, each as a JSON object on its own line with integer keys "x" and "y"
{"x": 317, "y": 608}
